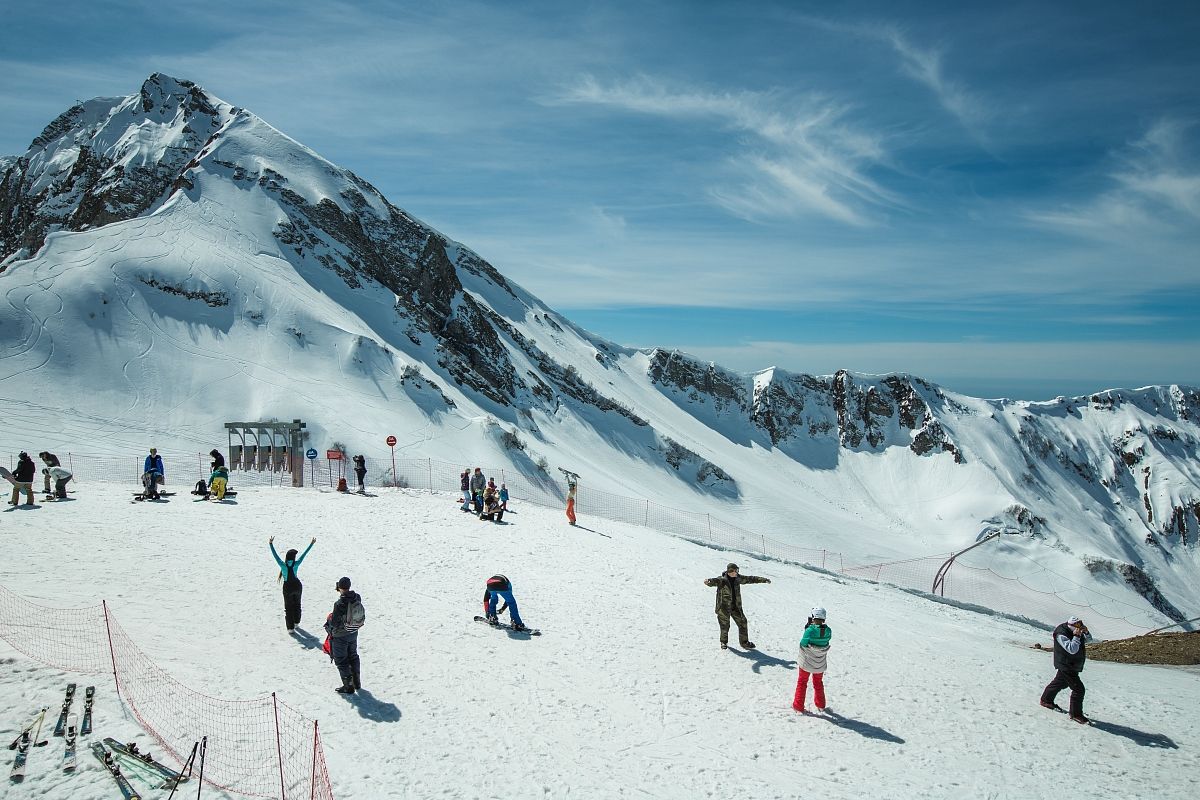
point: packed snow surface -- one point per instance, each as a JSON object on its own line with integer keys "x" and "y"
{"x": 626, "y": 693}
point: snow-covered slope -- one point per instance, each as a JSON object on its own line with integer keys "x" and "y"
{"x": 171, "y": 262}
{"x": 625, "y": 694}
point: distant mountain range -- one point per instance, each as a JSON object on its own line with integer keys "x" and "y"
{"x": 169, "y": 261}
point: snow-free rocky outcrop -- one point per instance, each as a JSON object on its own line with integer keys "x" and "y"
{"x": 169, "y": 256}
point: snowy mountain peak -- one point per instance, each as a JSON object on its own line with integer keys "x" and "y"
{"x": 173, "y": 261}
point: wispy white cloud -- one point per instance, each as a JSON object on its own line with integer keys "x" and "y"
{"x": 1153, "y": 188}
{"x": 923, "y": 64}
{"x": 803, "y": 157}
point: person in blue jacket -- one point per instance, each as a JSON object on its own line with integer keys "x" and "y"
{"x": 499, "y": 587}
{"x": 292, "y": 588}
{"x": 153, "y": 474}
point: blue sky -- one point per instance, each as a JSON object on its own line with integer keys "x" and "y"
{"x": 1003, "y": 198}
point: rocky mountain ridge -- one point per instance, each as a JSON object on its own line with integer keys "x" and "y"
{"x": 417, "y": 310}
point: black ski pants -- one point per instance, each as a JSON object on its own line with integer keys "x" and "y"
{"x": 291, "y": 603}
{"x": 1066, "y": 678}
{"x": 344, "y": 650}
{"x": 361, "y": 474}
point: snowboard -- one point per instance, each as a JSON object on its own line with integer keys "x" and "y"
{"x": 506, "y": 626}
{"x": 8, "y": 476}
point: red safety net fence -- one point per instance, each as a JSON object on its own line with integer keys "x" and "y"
{"x": 260, "y": 747}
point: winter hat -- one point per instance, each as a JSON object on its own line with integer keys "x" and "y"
{"x": 731, "y": 567}
{"x": 1073, "y": 620}
{"x": 817, "y": 613}
{"x": 343, "y": 583}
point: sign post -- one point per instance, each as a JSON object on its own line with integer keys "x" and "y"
{"x": 311, "y": 455}
{"x": 330, "y": 457}
{"x": 391, "y": 442}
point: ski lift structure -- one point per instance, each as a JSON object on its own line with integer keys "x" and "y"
{"x": 268, "y": 447}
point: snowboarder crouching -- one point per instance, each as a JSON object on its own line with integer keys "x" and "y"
{"x": 492, "y": 512}
{"x": 729, "y": 604}
{"x": 1070, "y": 651}
{"x": 152, "y": 475}
{"x": 342, "y": 626}
{"x": 61, "y": 477}
{"x": 814, "y": 648}
{"x": 218, "y": 482}
{"x": 500, "y": 588}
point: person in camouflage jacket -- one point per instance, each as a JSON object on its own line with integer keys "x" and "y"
{"x": 729, "y": 603}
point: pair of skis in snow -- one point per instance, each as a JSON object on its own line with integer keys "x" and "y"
{"x": 152, "y": 771}
{"x": 89, "y": 696}
{"x": 73, "y": 729}
{"x": 24, "y": 741}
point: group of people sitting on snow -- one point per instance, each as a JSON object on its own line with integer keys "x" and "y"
{"x": 154, "y": 475}
{"x": 480, "y": 495}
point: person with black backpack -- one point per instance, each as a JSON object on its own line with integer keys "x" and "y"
{"x": 343, "y": 625}
{"x": 293, "y": 590}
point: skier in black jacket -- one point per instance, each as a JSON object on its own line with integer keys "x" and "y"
{"x": 1070, "y": 651}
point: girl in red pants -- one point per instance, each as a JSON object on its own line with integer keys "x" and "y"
{"x": 814, "y": 647}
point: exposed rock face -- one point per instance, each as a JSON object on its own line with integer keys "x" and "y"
{"x": 844, "y": 410}
{"x": 77, "y": 175}
{"x": 1142, "y": 583}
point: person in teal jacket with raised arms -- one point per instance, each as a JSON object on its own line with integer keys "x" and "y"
{"x": 292, "y": 588}
{"x": 814, "y": 648}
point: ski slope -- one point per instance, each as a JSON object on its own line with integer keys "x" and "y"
{"x": 625, "y": 694}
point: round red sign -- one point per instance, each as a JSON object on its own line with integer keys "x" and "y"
{"x": 391, "y": 441}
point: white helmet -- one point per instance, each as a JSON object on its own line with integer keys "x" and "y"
{"x": 817, "y": 613}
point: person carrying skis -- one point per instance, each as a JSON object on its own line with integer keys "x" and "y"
{"x": 50, "y": 460}
{"x": 729, "y": 603}
{"x": 465, "y": 483}
{"x": 293, "y": 589}
{"x": 1070, "y": 651}
{"x": 342, "y": 626}
{"x": 360, "y": 472}
{"x": 499, "y": 587}
{"x": 814, "y": 648}
{"x": 478, "y": 484}
{"x": 23, "y": 479}
{"x": 152, "y": 474}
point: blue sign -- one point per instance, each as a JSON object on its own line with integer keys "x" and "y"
{"x": 310, "y": 454}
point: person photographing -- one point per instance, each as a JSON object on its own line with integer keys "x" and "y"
{"x": 1070, "y": 652}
